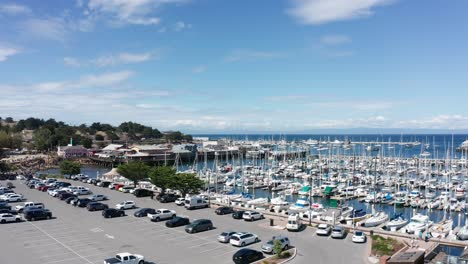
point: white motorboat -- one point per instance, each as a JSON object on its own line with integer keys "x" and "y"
{"x": 376, "y": 219}
{"x": 463, "y": 233}
{"x": 258, "y": 202}
{"x": 418, "y": 224}
{"x": 302, "y": 204}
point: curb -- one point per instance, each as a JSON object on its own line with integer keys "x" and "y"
{"x": 282, "y": 262}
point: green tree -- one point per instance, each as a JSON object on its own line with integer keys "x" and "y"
{"x": 99, "y": 137}
{"x": 134, "y": 171}
{"x": 41, "y": 138}
{"x": 69, "y": 167}
{"x": 163, "y": 177}
{"x": 277, "y": 248}
{"x": 87, "y": 142}
{"x": 187, "y": 183}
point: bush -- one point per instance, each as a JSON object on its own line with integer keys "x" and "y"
{"x": 285, "y": 254}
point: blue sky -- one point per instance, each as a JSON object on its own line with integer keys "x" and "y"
{"x": 222, "y": 66}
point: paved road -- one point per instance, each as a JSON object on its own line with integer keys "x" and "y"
{"x": 76, "y": 236}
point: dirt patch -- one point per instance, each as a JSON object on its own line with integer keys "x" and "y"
{"x": 385, "y": 246}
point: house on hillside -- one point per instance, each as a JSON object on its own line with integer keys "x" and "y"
{"x": 71, "y": 151}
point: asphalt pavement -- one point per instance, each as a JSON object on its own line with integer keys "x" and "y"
{"x": 77, "y": 236}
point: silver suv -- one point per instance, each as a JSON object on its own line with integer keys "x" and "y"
{"x": 268, "y": 247}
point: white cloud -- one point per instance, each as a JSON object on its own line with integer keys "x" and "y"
{"x": 6, "y": 52}
{"x": 49, "y": 28}
{"x": 437, "y": 122}
{"x": 14, "y": 9}
{"x": 325, "y": 11}
{"x": 335, "y": 39}
{"x": 199, "y": 69}
{"x": 252, "y": 55}
{"x": 137, "y": 12}
{"x": 111, "y": 60}
{"x": 179, "y": 26}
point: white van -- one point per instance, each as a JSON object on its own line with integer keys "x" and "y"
{"x": 195, "y": 202}
{"x": 294, "y": 222}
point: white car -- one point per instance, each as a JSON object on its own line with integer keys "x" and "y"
{"x": 359, "y": 237}
{"x": 14, "y": 198}
{"x": 125, "y": 205}
{"x": 98, "y": 197}
{"x": 252, "y": 215}
{"x": 6, "y": 218}
{"x": 243, "y": 239}
{"x": 126, "y": 189}
{"x": 81, "y": 191}
{"x": 6, "y": 196}
{"x": 323, "y": 230}
{"x": 162, "y": 214}
{"x": 180, "y": 201}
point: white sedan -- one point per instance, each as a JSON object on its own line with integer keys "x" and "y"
{"x": 15, "y": 198}
{"x": 6, "y": 218}
{"x": 243, "y": 239}
{"x": 252, "y": 215}
{"x": 180, "y": 201}
{"x": 359, "y": 237}
{"x": 126, "y": 205}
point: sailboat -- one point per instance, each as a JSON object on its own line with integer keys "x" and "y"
{"x": 376, "y": 219}
{"x": 441, "y": 229}
{"x": 396, "y": 222}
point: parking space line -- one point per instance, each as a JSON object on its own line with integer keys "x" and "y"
{"x": 65, "y": 246}
{"x": 216, "y": 248}
{"x": 62, "y": 260}
{"x": 199, "y": 245}
{"x": 55, "y": 255}
{"x": 41, "y": 245}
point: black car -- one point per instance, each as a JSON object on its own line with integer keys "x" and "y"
{"x": 247, "y": 255}
{"x": 5, "y": 206}
{"x": 111, "y": 212}
{"x": 177, "y": 221}
{"x": 59, "y": 192}
{"x": 238, "y": 214}
{"x": 82, "y": 202}
{"x": 143, "y": 212}
{"x": 70, "y": 199}
{"x": 105, "y": 184}
{"x": 37, "y": 214}
{"x": 168, "y": 198}
{"x": 96, "y": 206}
{"x": 62, "y": 184}
{"x": 224, "y": 210}
{"x": 199, "y": 225}
{"x": 142, "y": 193}
{"x": 65, "y": 195}
{"x": 8, "y": 211}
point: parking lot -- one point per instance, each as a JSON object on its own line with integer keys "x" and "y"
{"x": 78, "y": 236}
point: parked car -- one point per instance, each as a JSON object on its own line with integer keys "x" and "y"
{"x": 7, "y": 218}
{"x": 143, "y": 212}
{"x": 28, "y": 205}
{"x": 82, "y": 202}
{"x": 65, "y": 195}
{"x": 34, "y": 214}
{"x": 177, "y": 221}
{"x": 111, "y": 212}
{"x": 104, "y": 184}
{"x": 242, "y": 239}
{"x": 199, "y": 225}
{"x": 338, "y": 232}
{"x": 269, "y": 246}
{"x": 70, "y": 199}
{"x": 237, "y": 214}
{"x": 5, "y": 206}
{"x": 195, "y": 202}
{"x": 180, "y": 201}
{"x": 142, "y": 193}
{"x": 96, "y": 206}
{"x": 125, "y": 258}
{"x": 15, "y": 198}
{"x": 7, "y": 211}
{"x": 224, "y": 210}
{"x": 224, "y": 237}
{"x": 81, "y": 191}
{"x": 323, "y": 230}
{"x": 98, "y": 197}
{"x": 126, "y": 189}
{"x": 162, "y": 214}
{"x": 169, "y": 198}
{"x": 126, "y": 205}
{"x": 359, "y": 237}
{"x": 246, "y": 256}
{"x": 252, "y": 215}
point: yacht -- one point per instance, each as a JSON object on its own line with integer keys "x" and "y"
{"x": 418, "y": 223}
{"x": 376, "y": 219}
{"x": 442, "y": 229}
{"x": 396, "y": 223}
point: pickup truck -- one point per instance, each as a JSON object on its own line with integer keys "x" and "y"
{"x": 125, "y": 258}
{"x": 162, "y": 214}
{"x": 28, "y": 205}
